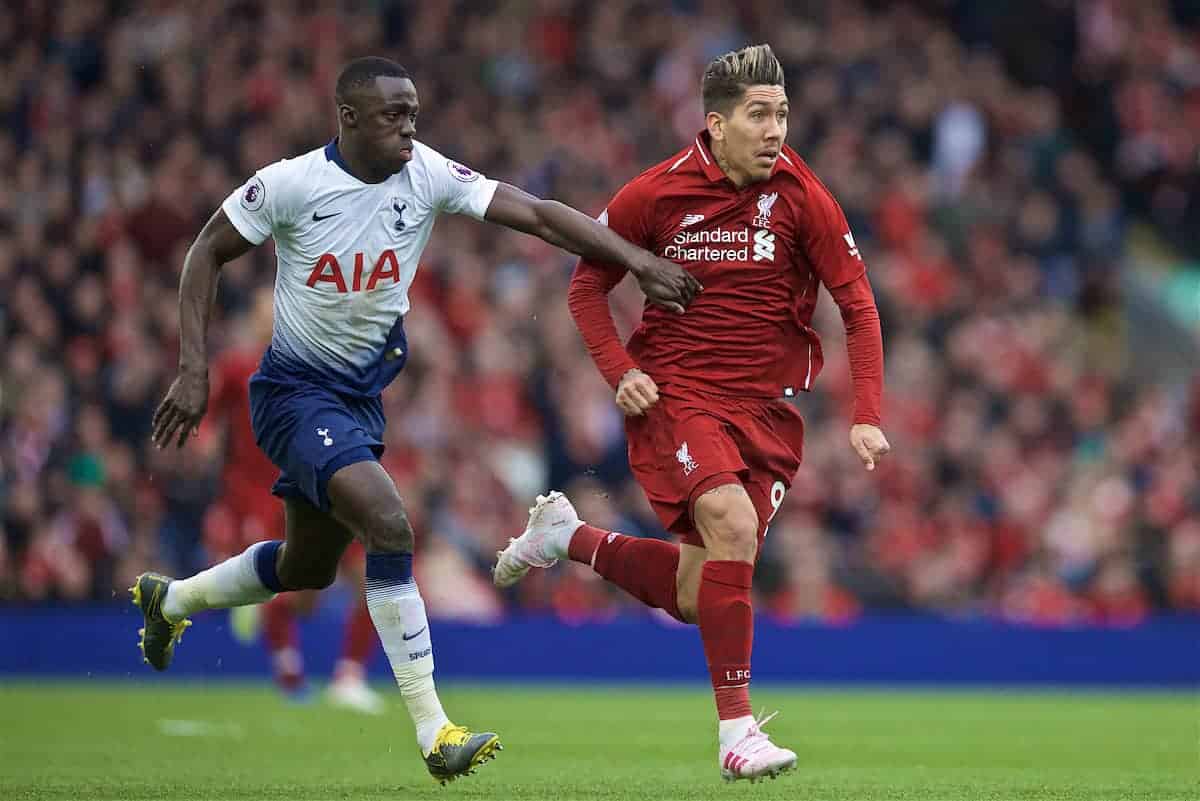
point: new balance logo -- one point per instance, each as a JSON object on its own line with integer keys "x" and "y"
{"x": 849, "y": 237}
{"x": 612, "y": 536}
{"x": 324, "y": 434}
{"x": 690, "y": 219}
{"x": 685, "y": 459}
{"x": 764, "y": 245}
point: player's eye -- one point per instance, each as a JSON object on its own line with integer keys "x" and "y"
{"x": 412, "y": 117}
{"x": 756, "y": 115}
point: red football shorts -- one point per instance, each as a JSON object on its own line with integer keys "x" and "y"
{"x": 680, "y": 448}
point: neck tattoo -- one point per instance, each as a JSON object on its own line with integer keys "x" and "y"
{"x": 723, "y": 163}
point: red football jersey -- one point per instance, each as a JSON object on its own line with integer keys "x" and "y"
{"x": 760, "y": 252}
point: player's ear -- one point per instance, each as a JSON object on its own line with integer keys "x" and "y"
{"x": 347, "y": 115}
{"x": 715, "y": 122}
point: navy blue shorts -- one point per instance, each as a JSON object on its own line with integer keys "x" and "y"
{"x": 310, "y": 433}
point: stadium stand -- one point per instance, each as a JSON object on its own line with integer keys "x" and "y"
{"x": 1044, "y": 465}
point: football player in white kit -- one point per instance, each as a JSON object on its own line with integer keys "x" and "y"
{"x": 350, "y": 221}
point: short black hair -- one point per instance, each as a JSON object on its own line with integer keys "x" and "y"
{"x": 364, "y": 71}
{"x": 726, "y": 77}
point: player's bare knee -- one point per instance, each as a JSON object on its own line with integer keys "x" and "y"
{"x": 739, "y": 541}
{"x": 735, "y": 542}
{"x": 729, "y": 525}
{"x": 388, "y": 531}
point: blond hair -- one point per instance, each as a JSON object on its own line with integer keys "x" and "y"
{"x": 726, "y": 77}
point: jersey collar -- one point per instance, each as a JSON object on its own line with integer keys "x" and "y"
{"x": 708, "y": 162}
{"x": 333, "y": 154}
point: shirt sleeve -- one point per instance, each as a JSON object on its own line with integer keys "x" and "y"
{"x": 864, "y": 347}
{"x": 457, "y": 189}
{"x": 827, "y": 241}
{"x": 587, "y": 297}
{"x": 834, "y": 256}
{"x": 265, "y": 204}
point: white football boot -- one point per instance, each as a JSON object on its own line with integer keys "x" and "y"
{"x": 755, "y": 757}
{"x": 552, "y": 521}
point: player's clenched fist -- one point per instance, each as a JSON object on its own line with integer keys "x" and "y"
{"x": 869, "y": 443}
{"x": 636, "y": 393}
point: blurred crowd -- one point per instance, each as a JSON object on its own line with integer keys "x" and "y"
{"x": 1128, "y": 74}
{"x": 1031, "y": 478}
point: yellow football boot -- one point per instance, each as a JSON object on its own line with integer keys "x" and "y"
{"x": 158, "y": 635}
{"x": 457, "y": 752}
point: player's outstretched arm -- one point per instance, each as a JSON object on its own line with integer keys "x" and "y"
{"x": 664, "y": 282}
{"x": 181, "y": 411}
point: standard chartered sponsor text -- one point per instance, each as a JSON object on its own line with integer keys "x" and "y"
{"x": 715, "y": 236}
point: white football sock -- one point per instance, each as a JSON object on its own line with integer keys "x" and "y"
{"x": 234, "y": 582}
{"x": 399, "y": 615}
{"x": 732, "y": 730}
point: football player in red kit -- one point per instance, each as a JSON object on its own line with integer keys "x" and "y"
{"x": 254, "y": 514}
{"x": 710, "y": 440}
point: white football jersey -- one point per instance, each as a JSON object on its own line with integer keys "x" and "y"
{"x": 347, "y": 252}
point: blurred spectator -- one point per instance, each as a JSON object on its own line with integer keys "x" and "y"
{"x": 990, "y": 170}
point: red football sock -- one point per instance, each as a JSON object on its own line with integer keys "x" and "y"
{"x": 282, "y": 637}
{"x": 359, "y": 638}
{"x": 727, "y": 630}
{"x": 584, "y": 543}
{"x": 644, "y": 568}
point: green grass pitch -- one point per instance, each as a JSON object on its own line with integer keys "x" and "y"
{"x": 194, "y": 741}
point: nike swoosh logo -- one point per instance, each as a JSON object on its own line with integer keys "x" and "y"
{"x": 319, "y": 217}
{"x": 407, "y": 637}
